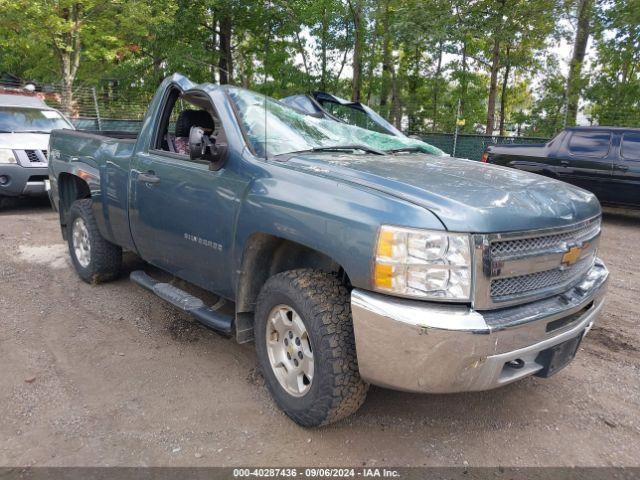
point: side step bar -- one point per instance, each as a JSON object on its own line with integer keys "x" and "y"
{"x": 216, "y": 321}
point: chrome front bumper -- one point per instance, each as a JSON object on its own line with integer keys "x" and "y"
{"x": 439, "y": 348}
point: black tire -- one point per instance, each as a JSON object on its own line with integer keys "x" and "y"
{"x": 323, "y": 303}
{"x": 105, "y": 258}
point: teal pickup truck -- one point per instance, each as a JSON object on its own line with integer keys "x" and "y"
{"x": 350, "y": 257}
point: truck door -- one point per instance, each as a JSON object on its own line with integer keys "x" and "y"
{"x": 587, "y": 161}
{"x": 181, "y": 211}
{"x": 625, "y": 185}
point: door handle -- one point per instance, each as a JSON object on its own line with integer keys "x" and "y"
{"x": 564, "y": 163}
{"x": 622, "y": 168}
{"x": 148, "y": 177}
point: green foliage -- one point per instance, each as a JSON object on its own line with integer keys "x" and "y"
{"x": 547, "y": 115}
{"x": 422, "y": 61}
{"x": 614, "y": 93}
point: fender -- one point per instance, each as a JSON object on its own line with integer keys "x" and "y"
{"x": 339, "y": 220}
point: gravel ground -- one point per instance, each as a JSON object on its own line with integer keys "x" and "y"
{"x": 110, "y": 375}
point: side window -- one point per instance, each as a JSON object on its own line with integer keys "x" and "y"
{"x": 630, "y": 148}
{"x": 590, "y": 144}
{"x": 182, "y": 112}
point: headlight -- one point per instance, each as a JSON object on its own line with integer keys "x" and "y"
{"x": 423, "y": 264}
{"x": 6, "y": 156}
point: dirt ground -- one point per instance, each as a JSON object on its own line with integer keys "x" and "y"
{"x": 110, "y": 375}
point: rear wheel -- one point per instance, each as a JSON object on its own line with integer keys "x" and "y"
{"x": 306, "y": 348}
{"x": 94, "y": 258}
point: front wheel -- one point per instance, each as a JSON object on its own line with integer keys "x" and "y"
{"x": 306, "y": 348}
{"x": 94, "y": 258}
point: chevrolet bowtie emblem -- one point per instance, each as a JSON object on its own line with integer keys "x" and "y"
{"x": 573, "y": 255}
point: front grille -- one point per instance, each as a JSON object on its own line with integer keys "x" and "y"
{"x": 524, "y": 253}
{"x": 532, "y": 282}
{"x": 544, "y": 243}
{"x": 32, "y": 155}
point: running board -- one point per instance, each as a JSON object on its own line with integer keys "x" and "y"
{"x": 193, "y": 305}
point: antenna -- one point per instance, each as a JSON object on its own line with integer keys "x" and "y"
{"x": 266, "y": 57}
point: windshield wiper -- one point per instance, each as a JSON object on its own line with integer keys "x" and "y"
{"x": 335, "y": 148}
{"x": 405, "y": 149}
{"x": 34, "y": 131}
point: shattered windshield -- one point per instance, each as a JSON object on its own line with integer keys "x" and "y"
{"x": 273, "y": 128}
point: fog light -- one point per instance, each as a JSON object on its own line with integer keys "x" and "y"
{"x": 4, "y": 179}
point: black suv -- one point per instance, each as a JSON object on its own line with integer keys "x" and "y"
{"x": 603, "y": 160}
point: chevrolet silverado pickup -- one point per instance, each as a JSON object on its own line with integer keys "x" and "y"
{"x": 602, "y": 160}
{"x": 350, "y": 257}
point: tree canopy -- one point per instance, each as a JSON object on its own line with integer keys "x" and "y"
{"x": 424, "y": 64}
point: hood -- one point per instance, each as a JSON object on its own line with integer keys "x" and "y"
{"x": 466, "y": 196}
{"x": 24, "y": 141}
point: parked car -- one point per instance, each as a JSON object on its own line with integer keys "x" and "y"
{"x": 25, "y": 124}
{"x": 603, "y": 160}
{"x": 350, "y": 257}
{"x": 325, "y": 105}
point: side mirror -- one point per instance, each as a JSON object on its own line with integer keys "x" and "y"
{"x": 204, "y": 147}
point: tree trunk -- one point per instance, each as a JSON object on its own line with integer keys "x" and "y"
{"x": 212, "y": 47}
{"x": 395, "y": 102}
{"x": 574, "y": 79}
{"x": 323, "y": 49}
{"x": 303, "y": 54}
{"x": 225, "y": 62}
{"x": 69, "y": 52}
{"x": 357, "y": 14}
{"x": 503, "y": 92}
{"x": 463, "y": 80}
{"x": 344, "y": 59}
{"x": 372, "y": 47}
{"x": 387, "y": 67}
{"x": 493, "y": 86}
{"x": 413, "y": 103}
{"x": 66, "y": 97}
{"x": 495, "y": 67}
{"x": 436, "y": 88}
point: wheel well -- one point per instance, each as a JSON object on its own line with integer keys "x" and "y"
{"x": 264, "y": 256}
{"x": 70, "y": 189}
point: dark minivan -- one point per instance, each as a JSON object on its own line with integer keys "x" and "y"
{"x": 603, "y": 160}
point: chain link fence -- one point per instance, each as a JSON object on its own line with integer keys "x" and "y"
{"x": 115, "y": 107}
{"x": 471, "y": 146}
{"x": 107, "y": 107}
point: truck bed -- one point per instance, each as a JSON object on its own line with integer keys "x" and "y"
{"x": 103, "y": 160}
{"x": 118, "y": 134}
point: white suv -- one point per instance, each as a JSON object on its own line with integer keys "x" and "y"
{"x": 25, "y": 125}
